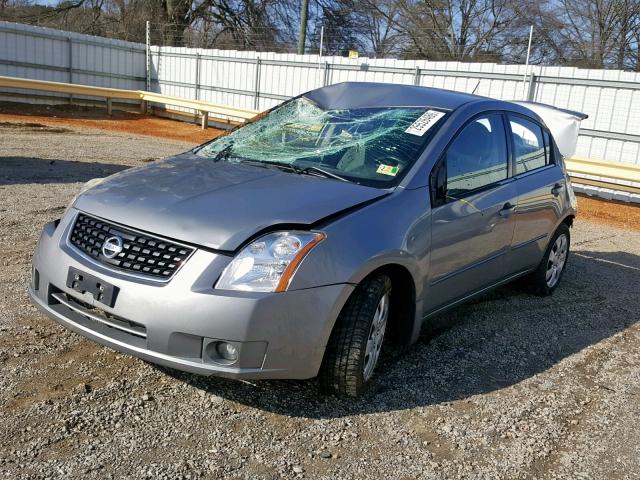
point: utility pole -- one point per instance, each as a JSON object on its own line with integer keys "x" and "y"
{"x": 304, "y": 13}
{"x": 526, "y": 65}
{"x": 147, "y": 84}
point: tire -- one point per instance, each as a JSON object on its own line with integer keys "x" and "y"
{"x": 539, "y": 281}
{"x": 348, "y": 364}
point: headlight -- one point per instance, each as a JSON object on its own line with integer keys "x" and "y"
{"x": 268, "y": 263}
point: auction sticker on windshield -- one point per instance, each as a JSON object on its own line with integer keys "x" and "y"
{"x": 427, "y": 120}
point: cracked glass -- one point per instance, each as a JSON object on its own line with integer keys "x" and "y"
{"x": 369, "y": 146}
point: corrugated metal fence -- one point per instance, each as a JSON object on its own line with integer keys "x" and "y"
{"x": 53, "y": 55}
{"x": 261, "y": 80}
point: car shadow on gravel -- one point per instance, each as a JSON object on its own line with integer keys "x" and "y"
{"x": 499, "y": 340}
{"x": 26, "y": 170}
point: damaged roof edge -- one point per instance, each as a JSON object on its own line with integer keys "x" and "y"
{"x": 351, "y": 95}
{"x": 536, "y": 105}
{"x": 563, "y": 124}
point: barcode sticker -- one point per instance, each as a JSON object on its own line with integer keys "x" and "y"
{"x": 427, "y": 120}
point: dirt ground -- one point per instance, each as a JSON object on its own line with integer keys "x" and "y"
{"x": 91, "y": 117}
{"x": 517, "y": 387}
{"x": 617, "y": 214}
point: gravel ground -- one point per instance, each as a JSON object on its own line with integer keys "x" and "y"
{"x": 516, "y": 387}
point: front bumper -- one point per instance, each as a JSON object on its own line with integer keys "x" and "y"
{"x": 278, "y": 335}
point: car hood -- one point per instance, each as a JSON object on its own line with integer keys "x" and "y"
{"x": 218, "y": 205}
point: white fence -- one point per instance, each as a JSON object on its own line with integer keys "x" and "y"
{"x": 53, "y": 55}
{"x": 261, "y": 80}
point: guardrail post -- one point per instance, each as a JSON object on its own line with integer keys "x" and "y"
{"x": 256, "y": 86}
{"x": 325, "y": 79}
{"x": 109, "y": 107}
{"x": 416, "y": 76}
{"x": 205, "y": 119}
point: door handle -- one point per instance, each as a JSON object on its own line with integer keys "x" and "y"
{"x": 556, "y": 189}
{"x": 506, "y": 210}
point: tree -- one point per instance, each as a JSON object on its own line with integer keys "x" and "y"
{"x": 590, "y": 33}
{"x": 452, "y": 29}
{"x": 377, "y": 21}
{"x": 585, "y": 33}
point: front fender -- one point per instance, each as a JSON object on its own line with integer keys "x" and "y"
{"x": 392, "y": 231}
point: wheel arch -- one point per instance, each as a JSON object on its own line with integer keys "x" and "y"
{"x": 403, "y": 303}
{"x": 404, "y": 327}
{"x": 568, "y": 220}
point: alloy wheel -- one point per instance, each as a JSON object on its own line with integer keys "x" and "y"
{"x": 376, "y": 336}
{"x": 557, "y": 259}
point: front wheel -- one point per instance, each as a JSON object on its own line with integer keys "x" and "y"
{"x": 548, "y": 274}
{"x": 356, "y": 341}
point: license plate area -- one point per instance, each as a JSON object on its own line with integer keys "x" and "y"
{"x": 101, "y": 291}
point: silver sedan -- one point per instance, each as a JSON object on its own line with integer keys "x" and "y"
{"x": 302, "y": 242}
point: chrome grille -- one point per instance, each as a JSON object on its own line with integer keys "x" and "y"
{"x": 141, "y": 254}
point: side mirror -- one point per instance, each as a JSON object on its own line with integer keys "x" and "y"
{"x": 439, "y": 184}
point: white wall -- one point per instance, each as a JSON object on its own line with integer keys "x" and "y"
{"x": 53, "y": 55}
{"x": 611, "y": 98}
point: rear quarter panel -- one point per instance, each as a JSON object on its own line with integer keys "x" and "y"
{"x": 539, "y": 212}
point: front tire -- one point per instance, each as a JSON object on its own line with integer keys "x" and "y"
{"x": 355, "y": 343}
{"x": 547, "y": 276}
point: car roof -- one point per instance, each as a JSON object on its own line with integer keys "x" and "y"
{"x": 350, "y": 95}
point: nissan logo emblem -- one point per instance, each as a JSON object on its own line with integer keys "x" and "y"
{"x": 111, "y": 247}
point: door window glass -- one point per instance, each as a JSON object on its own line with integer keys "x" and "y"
{"x": 528, "y": 145}
{"x": 478, "y": 156}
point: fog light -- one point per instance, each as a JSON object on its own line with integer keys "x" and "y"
{"x": 227, "y": 351}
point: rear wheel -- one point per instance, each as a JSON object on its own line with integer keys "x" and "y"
{"x": 548, "y": 274}
{"x": 356, "y": 341}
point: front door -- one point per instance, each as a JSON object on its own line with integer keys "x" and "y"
{"x": 472, "y": 221}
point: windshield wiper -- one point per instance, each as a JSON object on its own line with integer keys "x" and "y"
{"x": 317, "y": 171}
{"x": 224, "y": 153}
{"x": 289, "y": 167}
{"x": 268, "y": 164}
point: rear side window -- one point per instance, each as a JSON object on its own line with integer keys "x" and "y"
{"x": 531, "y": 145}
{"x": 478, "y": 156}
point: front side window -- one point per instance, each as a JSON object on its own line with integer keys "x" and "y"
{"x": 477, "y": 157}
{"x": 368, "y": 146}
{"x": 529, "y": 146}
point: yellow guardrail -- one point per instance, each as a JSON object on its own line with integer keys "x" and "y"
{"x": 205, "y": 108}
{"x": 613, "y": 175}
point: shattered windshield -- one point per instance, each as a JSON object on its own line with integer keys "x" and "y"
{"x": 369, "y": 146}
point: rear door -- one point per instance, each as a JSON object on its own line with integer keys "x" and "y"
{"x": 540, "y": 184}
{"x": 472, "y": 218}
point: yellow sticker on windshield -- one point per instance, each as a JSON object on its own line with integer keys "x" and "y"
{"x": 388, "y": 170}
